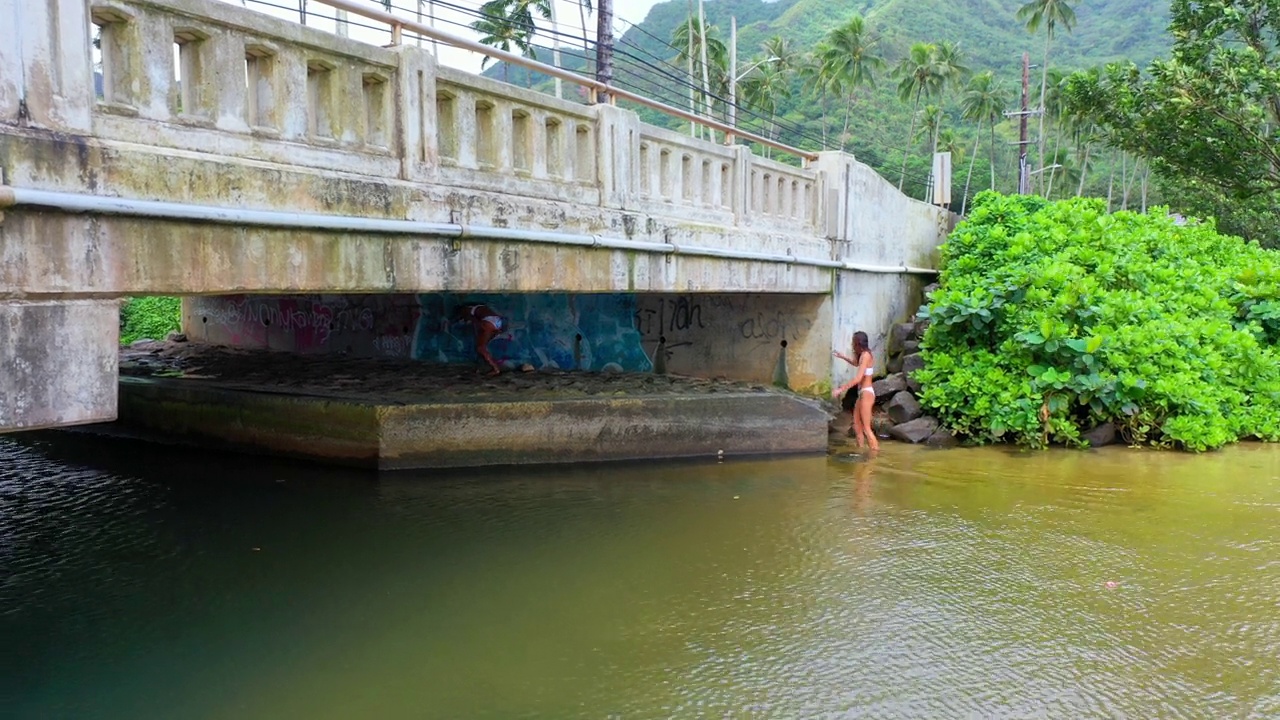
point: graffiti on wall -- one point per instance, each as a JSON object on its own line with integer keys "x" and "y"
{"x": 361, "y": 325}
{"x": 547, "y": 331}
{"x": 588, "y": 332}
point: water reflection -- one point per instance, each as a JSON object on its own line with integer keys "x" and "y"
{"x": 145, "y": 582}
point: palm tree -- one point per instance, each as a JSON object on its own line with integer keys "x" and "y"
{"x": 816, "y": 78}
{"x": 688, "y": 38}
{"x": 763, "y": 88}
{"x": 498, "y": 29}
{"x": 1054, "y": 111}
{"x": 918, "y": 76}
{"x": 1049, "y": 14}
{"x": 849, "y": 60}
{"x": 984, "y": 102}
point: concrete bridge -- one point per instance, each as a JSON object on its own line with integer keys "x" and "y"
{"x": 263, "y": 169}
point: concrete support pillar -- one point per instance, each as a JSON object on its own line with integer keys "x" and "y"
{"x": 61, "y": 362}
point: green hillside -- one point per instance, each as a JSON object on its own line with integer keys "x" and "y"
{"x": 986, "y": 31}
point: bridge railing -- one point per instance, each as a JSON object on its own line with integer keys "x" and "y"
{"x": 207, "y": 76}
{"x": 493, "y": 136}
{"x": 213, "y": 77}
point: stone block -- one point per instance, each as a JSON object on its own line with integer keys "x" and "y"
{"x": 917, "y": 331}
{"x": 941, "y": 438}
{"x": 887, "y": 387}
{"x": 910, "y": 346}
{"x": 914, "y": 386}
{"x": 900, "y": 333}
{"x": 912, "y": 363}
{"x": 1104, "y": 434}
{"x": 895, "y": 364}
{"x": 903, "y": 407}
{"x": 916, "y": 431}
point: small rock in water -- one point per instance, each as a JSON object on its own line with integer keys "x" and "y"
{"x": 526, "y": 368}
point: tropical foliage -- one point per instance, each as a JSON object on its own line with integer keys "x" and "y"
{"x": 149, "y": 318}
{"x": 1055, "y": 317}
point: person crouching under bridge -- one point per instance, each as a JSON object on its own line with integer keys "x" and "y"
{"x": 487, "y": 324}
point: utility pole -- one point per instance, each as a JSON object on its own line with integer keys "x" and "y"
{"x": 604, "y": 44}
{"x": 1024, "y": 176}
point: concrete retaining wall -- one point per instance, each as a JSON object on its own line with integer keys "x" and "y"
{"x": 474, "y": 434}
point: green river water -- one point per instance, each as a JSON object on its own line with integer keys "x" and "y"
{"x": 138, "y": 582}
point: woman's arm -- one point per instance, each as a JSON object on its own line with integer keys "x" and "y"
{"x": 843, "y": 357}
{"x": 844, "y": 388}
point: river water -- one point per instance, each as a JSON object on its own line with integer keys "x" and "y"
{"x": 138, "y": 582}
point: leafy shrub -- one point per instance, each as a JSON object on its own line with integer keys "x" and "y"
{"x": 149, "y": 318}
{"x": 1052, "y": 318}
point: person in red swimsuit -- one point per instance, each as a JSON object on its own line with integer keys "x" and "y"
{"x": 487, "y": 324}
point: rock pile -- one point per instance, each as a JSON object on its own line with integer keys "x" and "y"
{"x": 896, "y": 393}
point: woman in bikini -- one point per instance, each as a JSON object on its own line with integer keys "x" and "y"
{"x": 487, "y": 323}
{"x": 864, "y": 361}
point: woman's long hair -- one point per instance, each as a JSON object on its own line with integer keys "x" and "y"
{"x": 860, "y": 345}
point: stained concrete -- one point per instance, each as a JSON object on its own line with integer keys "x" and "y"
{"x": 57, "y": 363}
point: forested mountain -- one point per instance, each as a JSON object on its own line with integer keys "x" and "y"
{"x": 987, "y": 35}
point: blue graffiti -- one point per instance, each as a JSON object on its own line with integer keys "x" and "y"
{"x": 547, "y": 331}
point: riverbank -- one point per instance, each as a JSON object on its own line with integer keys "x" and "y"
{"x": 394, "y": 414}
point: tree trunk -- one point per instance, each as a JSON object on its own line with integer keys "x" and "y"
{"x": 1124, "y": 181}
{"x": 1044, "y": 84}
{"x": 992, "y": 123}
{"x": 822, "y": 101}
{"x": 1057, "y": 145}
{"x": 964, "y": 202}
{"x": 1111, "y": 184}
{"x": 1146, "y": 173}
{"x": 844, "y": 134}
{"x": 906, "y": 149}
{"x": 1084, "y": 170}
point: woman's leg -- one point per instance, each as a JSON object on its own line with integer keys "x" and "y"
{"x": 485, "y": 333}
{"x": 866, "y": 401}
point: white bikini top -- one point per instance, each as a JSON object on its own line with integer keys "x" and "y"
{"x": 869, "y": 372}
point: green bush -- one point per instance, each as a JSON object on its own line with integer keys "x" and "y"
{"x": 149, "y": 318}
{"x": 1052, "y": 318}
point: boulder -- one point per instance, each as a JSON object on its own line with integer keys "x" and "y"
{"x": 941, "y": 438}
{"x": 1104, "y": 434}
{"x": 910, "y": 346}
{"x": 895, "y": 364}
{"x": 900, "y": 333}
{"x": 914, "y": 386}
{"x": 928, "y": 289}
{"x": 919, "y": 328}
{"x": 916, "y": 431}
{"x": 176, "y": 337}
{"x": 912, "y": 363}
{"x": 889, "y": 386}
{"x": 903, "y": 407}
{"x": 881, "y": 424}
